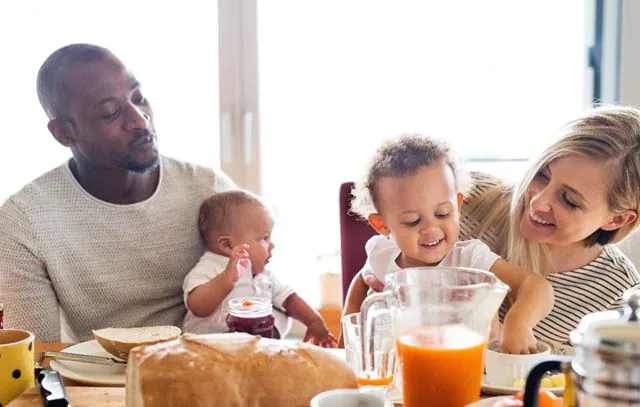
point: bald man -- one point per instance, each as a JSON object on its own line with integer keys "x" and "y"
{"x": 106, "y": 238}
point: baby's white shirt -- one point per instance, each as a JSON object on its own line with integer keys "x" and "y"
{"x": 211, "y": 265}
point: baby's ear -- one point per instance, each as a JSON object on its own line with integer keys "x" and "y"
{"x": 225, "y": 245}
{"x": 376, "y": 221}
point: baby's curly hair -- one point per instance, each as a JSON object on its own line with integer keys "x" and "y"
{"x": 220, "y": 212}
{"x": 398, "y": 157}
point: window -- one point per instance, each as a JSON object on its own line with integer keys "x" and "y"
{"x": 494, "y": 78}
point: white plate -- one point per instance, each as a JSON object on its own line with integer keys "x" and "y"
{"x": 488, "y": 402}
{"x": 510, "y": 390}
{"x": 87, "y": 372}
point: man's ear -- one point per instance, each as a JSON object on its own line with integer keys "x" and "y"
{"x": 376, "y": 221}
{"x": 460, "y": 198}
{"x": 62, "y": 131}
{"x": 225, "y": 244}
{"x": 619, "y": 220}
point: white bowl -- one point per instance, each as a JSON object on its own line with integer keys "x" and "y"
{"x": 503, "y": 369}
{"x": 349, "y": 398}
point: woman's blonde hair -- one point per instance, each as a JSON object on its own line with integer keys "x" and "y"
{"x": 608, "y": 134}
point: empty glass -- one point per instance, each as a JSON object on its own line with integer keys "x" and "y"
{"x": 381, "y": 374}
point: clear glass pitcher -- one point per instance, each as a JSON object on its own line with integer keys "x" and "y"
{"x": 441, "y": 319}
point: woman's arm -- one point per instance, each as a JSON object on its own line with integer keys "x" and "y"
{"x": 533, "y": 300}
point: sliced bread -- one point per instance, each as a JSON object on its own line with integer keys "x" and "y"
{"x": 119, "y": 341}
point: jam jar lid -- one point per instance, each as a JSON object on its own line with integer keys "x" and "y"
{"x": 611, "y": 331}
{"x": 250, "y": 307}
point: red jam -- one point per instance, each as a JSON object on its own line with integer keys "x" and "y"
{"x": 253, "y": 315}
{"x": 1, "y": 316}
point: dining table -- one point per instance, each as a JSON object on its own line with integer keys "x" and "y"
{"x": 79, "y": 394}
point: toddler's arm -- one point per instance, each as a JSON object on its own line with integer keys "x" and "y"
{"x": 533, "y": 301}
{"x": 317, "y": 331}
{"x": 203, "y": 300}
{"x": 355, "y": 297}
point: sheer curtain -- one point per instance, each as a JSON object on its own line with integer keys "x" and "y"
{"x": 172, "y": 51}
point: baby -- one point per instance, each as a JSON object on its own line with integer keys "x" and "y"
{"x": 412, "y": 198}
{"x": 236, "y": 227}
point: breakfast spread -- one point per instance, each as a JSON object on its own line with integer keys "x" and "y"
{"x": 232, "y": 370}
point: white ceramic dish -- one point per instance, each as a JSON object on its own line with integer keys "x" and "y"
{"x": 89, "y": 373}
{"x": 488, "y": 402}
{"x": 349, "y": 398}
{"x": 503, "y": 369}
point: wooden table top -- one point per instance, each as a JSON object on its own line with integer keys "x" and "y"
{"x": 80, "y": 395}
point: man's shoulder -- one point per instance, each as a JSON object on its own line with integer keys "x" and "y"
{"x": 177, "y": 167}
{"x": 182, "y": 171}
{"x": 41, "y": 190}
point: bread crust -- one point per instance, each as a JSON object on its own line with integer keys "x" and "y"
{"x": 232, "y": 370}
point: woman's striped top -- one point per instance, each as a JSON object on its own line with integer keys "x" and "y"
{"x": 597, "y": 286}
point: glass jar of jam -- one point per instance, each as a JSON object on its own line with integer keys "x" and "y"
{"x": 253, "y": 315}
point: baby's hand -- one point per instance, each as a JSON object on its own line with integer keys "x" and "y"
{"x": 318, "y": 334}
{"x": 373, "y": 282}
{"x": 517, "y": 338}
{"x": 239, "y": 260}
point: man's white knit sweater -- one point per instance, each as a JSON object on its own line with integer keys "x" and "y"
{"x": 66, "y": 255}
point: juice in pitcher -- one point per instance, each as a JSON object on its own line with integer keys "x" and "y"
{"x": 441, "y": 365}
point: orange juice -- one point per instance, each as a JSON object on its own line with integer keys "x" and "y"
{"x": 441, "y": 366}
{"x": 381, "y": 381}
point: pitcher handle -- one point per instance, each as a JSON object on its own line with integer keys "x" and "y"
{"x": 367, "y": 327}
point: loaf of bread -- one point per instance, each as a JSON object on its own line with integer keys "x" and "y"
{"x": 119, "y": 341}
{"x": 232, "y": 370}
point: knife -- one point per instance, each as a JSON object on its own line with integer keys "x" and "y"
{"x": 77, "y": 357}
{"x": 51, "y": 388}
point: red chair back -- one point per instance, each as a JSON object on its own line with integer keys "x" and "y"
{"x": 354, "y": 233}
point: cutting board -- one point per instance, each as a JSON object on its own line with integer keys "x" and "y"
{"x": 78, "y": 397}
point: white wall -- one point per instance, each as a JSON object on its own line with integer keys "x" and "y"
{"x": 630, "y": 53}
{"x": 630, "y": 87}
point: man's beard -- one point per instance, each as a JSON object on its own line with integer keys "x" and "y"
{"x": 149, "y": 165}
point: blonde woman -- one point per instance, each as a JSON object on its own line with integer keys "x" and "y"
{"x": 579, "y": 197}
